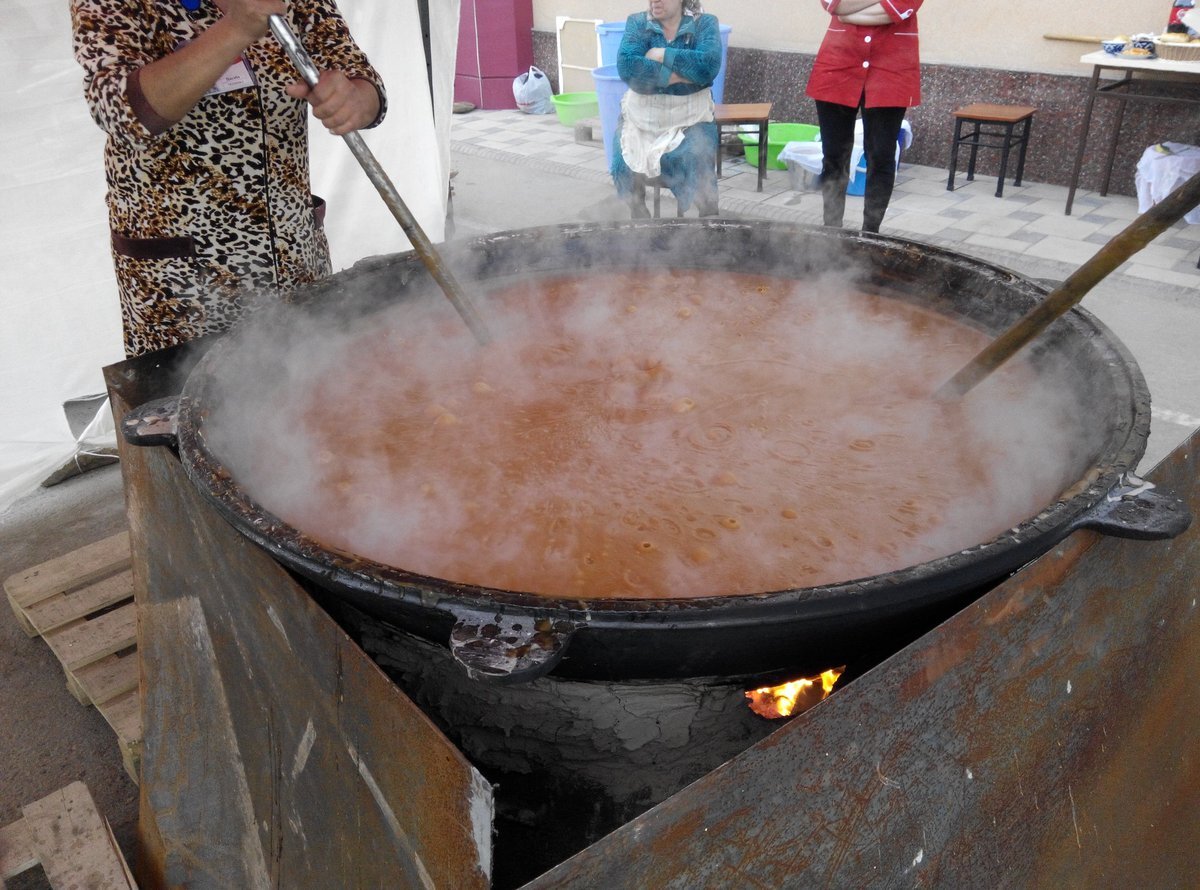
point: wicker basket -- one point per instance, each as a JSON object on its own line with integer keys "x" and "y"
{"x": 1178, "y": 52}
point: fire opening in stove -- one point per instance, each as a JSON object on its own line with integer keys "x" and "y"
{"x": 793, "y": 697}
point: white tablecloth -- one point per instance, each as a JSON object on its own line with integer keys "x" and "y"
{"x": 1160, "y": 172}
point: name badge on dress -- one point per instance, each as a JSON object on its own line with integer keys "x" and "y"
{"x": 237, "y": 76}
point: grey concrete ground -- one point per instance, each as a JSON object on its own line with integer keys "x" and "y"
{"x": 47, "y": 739}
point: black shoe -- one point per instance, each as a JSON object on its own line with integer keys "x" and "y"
{"x": 639, "y": 211}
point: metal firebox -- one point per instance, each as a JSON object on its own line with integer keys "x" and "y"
{"x": 1044, "y": 735}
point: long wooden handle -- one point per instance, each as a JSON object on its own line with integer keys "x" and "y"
{"x": 366, "y": 159}
{"x": 1074, "y": 38}
{"x": 1135, "y": 236}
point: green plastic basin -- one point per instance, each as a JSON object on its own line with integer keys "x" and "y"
{"x": 779, "y": 134}
{"x": 574, "y": 107}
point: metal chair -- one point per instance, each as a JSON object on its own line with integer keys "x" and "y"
{"x": 657, "y": 184}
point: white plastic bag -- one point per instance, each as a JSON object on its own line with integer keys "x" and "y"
{"x": 808, "y": 155}
{"x": 532, "y": 92}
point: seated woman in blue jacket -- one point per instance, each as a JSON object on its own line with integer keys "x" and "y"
{"x": 670, "y": 57}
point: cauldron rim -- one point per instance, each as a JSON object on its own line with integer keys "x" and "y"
{"x": 397, "y": 591}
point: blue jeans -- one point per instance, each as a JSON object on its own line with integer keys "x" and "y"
{"x": 689, "y": 171}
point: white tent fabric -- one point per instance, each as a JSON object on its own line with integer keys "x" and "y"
{"x": 59, "y": 319}
{"x": 412, "y": 148}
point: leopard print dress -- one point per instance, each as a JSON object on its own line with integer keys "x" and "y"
{"x": 214, "y": 212}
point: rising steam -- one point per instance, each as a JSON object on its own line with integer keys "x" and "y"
{"x": 650, "y": 433}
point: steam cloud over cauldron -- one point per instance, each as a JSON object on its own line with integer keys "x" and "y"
{"x": 652, "y": 434}
{"x": 701, "y": 420}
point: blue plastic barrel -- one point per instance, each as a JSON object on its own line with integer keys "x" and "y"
{"x": 610, "y": 34}
{"x": 858, "y": 185}
{"x": 610, "y": 42}
{"x": 609, "y": 90}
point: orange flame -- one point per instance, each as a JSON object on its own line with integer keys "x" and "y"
{"x": 794, "y": 697}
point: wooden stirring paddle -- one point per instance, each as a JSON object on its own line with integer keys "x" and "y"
{"x": 420, "y": 241}
{"x": 1133, "y": 238}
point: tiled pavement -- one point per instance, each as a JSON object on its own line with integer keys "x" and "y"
{"x": 1026, "y": 229}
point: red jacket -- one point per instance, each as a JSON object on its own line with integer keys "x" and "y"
{"x": 882, "y": 60}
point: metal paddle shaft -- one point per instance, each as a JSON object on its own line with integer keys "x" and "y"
{"x": 421, "y": 243}
{"x": 1136, "y": 235}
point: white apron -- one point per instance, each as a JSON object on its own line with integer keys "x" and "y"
{"x": 653, "y": 124}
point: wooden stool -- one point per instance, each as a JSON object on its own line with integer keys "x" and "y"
{"x": 994, "y": 126}
{"x": 748, "y": 113}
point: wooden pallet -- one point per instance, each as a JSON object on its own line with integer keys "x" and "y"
{"x": 81, "y": 604}
{"x": 68, "y": 837}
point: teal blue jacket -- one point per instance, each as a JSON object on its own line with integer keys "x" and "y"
{"x": 695, "y": 54}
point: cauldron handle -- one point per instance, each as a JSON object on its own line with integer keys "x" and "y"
{"x": 509, "y": 648}
{"x": 1133, "y": 509}
{"x": 153, "y": 423}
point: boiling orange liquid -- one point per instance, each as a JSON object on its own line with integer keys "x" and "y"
{"x": 658, "y": 434}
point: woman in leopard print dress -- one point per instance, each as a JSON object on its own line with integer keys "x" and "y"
{"x": 207, "y": 152}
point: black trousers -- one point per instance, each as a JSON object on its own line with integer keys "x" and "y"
{"x": 881, "y": 129}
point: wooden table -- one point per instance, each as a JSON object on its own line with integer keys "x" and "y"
{"x": 746, "y": 113}
{"x": 1118, "y": 90}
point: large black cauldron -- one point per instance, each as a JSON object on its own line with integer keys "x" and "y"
{"x": 509, "y": 635}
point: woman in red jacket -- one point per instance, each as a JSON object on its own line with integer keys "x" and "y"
{"x": 868, "y": 62}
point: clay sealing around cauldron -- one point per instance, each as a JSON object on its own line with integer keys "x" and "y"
{"x": 684, "y": 435}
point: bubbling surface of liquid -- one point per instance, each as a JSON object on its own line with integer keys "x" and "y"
{"x": 653, "y": 434}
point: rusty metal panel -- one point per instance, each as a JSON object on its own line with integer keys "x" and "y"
{"x": 1046, "y": 736}
{"x": 275, "y": 752}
